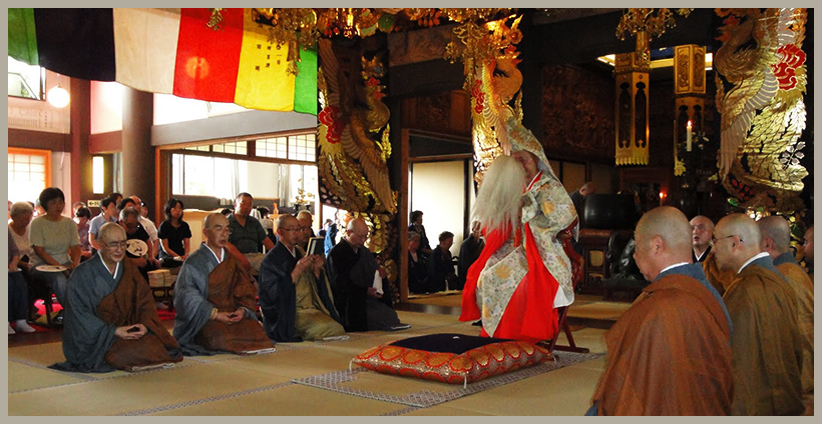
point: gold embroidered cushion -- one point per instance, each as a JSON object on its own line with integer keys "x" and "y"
{"x": 452, "y": 358}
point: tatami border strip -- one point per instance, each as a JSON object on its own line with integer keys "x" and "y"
{"x": 206, "y": 400}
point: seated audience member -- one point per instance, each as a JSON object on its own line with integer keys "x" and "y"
{"x": 77, "y": 205}
{"x": 776, "y": 241}
{"x": 247, "y": 236}
{"x": 134, "y": 231}
{"x": 82, "y": 216}
{"x": 175, "y": 235}
{"x": 353, "y": 272}
{"x": 766, "y": 343}
{"x": 330, "y": 237}
{"x": 670, "y": 352}
{"x": 267, "y": 222}
{"x": 117, "y": 197}
{"x": 295, "y": 296}
{"x": 417, "y": 269}
{"x": 147, "y": 224}
{"x": 324, "y": 229}
{"x": 416, "y": 225}
{"x": 440, "y": 267}
{"x": 578, "y": 197}
{"x": 18, "y": 293}
{"x": 215, "y": 300}
{"x": 127, "y": 202}
{"x": 807, "y": 250}
{"x": 110, "y": 319}
{"x": 21, "y": 214}
{"x": 38, "y": 208}
{"x": 55, "y": 242}
{"x": 470, "y": 250}
{"x": 108, "y": 213}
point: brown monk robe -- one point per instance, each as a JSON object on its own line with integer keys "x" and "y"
{"x": 131, "y": 303}
{"x": 767, "y": 348}
{"x": 660, "y": 329}
{"x": 803, "y": 286}
{"x": 718, "y": 278}
{"x": 229, "y": 287}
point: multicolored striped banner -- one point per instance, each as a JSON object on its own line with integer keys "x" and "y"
{"x": 169, "y": 51}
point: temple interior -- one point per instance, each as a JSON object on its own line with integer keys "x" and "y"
{"x": 378, "y": 113}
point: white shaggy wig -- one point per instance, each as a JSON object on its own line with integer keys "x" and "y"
{"x": 498, "y": 201}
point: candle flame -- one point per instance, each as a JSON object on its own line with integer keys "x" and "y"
{"x": 689, "y": 124}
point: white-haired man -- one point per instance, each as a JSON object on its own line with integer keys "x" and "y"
{"x": 524, "y": 273}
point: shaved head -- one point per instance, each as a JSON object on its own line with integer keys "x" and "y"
{"x": 108, "y": 231}
{"x": 808, "y": 246}
{"x": 702, "y": 229}
{"x": 285, "y": 219}
{"x": 776, "y": 235}
{"x": 356, "y": 233}
{"x": 668, "y": 223}
{"x": 663, "y": 238}
{"x": 736, "y": 239}
{"x": 213, "y": 218}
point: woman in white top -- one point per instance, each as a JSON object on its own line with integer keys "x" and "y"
{"x": 55, "y": 242}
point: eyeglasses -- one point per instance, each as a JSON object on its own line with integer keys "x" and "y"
{"x": 291, "y": 229}
{"x": 714, "y": 239}
{"x": 117, "y": 245}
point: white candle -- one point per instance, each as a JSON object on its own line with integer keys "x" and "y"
{"x": 688, "y": 137}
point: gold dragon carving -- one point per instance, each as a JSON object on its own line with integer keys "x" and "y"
{"x": 354, "y": 144}
{"x": 761, "y": 79}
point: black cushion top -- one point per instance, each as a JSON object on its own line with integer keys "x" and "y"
{"x": 446, "y": 343}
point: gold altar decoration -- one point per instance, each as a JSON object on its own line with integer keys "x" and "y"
{"x": 760, "y": 92}
{"x": 643, "y": 20}
{"x": 632, "y": 74}
{"x": 689, "y": 99}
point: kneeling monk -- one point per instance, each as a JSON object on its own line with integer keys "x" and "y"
{"x": 295, "y": 295}
{"x": 215, "y": 299}
{"x": 524, "y": 272}
{"x": 111, "y": 320}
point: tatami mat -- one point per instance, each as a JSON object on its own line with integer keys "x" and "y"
{"x": 599, "y": 310}
{"x": 290, "y": 399}
{"x": 276, "y": 383}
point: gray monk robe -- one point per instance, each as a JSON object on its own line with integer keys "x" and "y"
{"x": 294, "y": 311}
{"x": 96, "y": 304}
{"x": 205, "y": 283}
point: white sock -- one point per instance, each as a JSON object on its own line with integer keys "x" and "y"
{"x": 11, "y": 330}
{"x": 23, "y": 326}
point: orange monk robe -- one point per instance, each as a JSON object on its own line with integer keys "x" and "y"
{"x": 669, "y": 354}
{"x": 803, "y": 286}
{"x": 719, "y": 279}
{"x": 766, "y": 344}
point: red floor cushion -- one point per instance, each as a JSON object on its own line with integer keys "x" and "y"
{"x": 452, "y": 358}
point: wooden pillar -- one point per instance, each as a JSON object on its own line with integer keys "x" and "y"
{"x": 138, "y": 154}
{"x": 81, "y": 167}
{"x": 632, "y": 72}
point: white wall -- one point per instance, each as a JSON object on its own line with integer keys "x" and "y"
{"x": 106, "y": 106}
{"x": 61, "y": 177}
{"x": 438, "y": 190}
